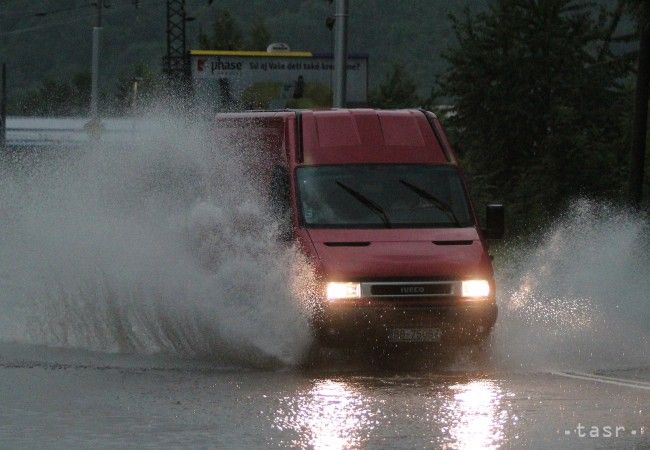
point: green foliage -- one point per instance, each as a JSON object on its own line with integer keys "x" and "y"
{"x": 315, "y": 95}
{"x": 59, "y": 45}
{"x": 639, "y": 9}
{"x": 59, "y": 98}
{"x": 260, "y": 95}
{"x": 149, "y": 86}
{"x": 264, "y": 95}
{"x": 72, "y": 98}
{"x": 398, "y": 90}
{"x": 259, "y": 35}
{"x": 226, "y": 33}
{"x": 529, "y": 95}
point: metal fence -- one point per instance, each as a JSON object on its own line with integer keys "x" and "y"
{"x": 67, "y": 131}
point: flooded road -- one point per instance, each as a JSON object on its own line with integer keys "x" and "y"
{"x": 146, "y": 302}
{"x": 62, "y": 398}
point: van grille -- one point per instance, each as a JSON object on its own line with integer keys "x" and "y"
{"x": 409, "y": 289}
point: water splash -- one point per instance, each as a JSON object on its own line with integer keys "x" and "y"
{"x": 165, "y": 244}
{"x": 580, "y": 296}
{"x": 162, "y": 244}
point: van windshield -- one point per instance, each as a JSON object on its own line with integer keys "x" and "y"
{"x": 382, "y": 196}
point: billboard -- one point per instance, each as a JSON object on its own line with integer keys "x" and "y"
{"x": 224, "y": 80}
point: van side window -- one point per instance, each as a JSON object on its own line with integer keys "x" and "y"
{"x": 279, "y": 201}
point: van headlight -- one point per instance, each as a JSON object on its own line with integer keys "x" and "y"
{"x": 475, "y": 288}
{"x": 338, "y": 291}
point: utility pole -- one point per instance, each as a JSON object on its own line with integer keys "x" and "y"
{"x": 637, "y": 160}
{"x": 3, "y": 109}
{"x": 175, "y": 62}
{"x": 94, "y": 126}
{"x": 340, "y": 52}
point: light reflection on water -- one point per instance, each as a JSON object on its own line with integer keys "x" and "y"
{"x": 331, "y": 415}
{"x": 473, "y": 416}
{"x": 336, "y": 414}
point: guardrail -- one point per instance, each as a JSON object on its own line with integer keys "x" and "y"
{"x": 66, "y": 131}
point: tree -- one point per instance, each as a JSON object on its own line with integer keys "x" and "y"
{"x": 149, "y": 87}
{"x": 538, "y": 107}
{"x": 260, "y": 35}
{"x": 59, "y": 98}
{"x": 81, "y": 87}
{"x": 397, "y": 91}
{"x": 640, "y": 127}
{"x": 226, "y": 34}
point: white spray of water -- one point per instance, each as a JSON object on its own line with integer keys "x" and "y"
{"x": 165, "y": 245}
{"x": 579, "y": 297}
{"x": 161, "y": 245}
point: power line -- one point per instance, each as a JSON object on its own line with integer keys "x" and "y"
{"x": 47, "y": 25}
{"x": 40, "y": 12}
{"x": 60, "y": 10}
{"x": 86, "y": 15}
{"x": 107, "y": 6}
{"x": 19, "y": 13}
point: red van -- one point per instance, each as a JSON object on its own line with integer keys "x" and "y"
{"x": 376, "y": 200}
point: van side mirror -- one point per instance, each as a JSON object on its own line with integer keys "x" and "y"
{"x": 494, "y": 221}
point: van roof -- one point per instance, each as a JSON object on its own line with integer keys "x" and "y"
{"x": 348, "y": 136}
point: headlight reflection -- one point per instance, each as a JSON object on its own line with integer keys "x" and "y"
{"x": 331, "y": 415}
{"x": 475, "y": 416}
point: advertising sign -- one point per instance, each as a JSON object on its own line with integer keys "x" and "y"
{"x": 273, "y": 80}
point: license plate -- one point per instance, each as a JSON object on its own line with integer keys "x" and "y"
{"x": 414, "y": 335}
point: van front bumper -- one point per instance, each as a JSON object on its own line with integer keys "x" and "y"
{"x": 455, "y": 322}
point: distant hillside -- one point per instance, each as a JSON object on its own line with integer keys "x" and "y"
{"x": 58, "y": 44}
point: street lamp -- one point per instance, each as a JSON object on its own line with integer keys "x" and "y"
{"x": 94, "y": 126}
{"x": 340, "y": 52}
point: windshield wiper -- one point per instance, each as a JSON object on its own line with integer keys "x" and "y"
{"x": 442, "y": 206}
{"x": 374, "y": 207}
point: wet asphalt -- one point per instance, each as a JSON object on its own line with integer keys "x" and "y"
{"x": 72, "y": 399}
